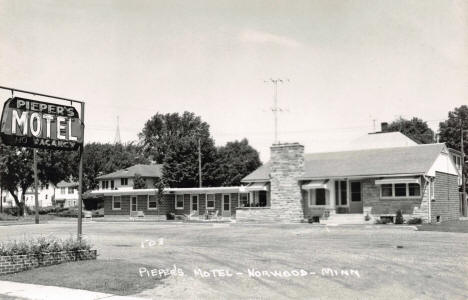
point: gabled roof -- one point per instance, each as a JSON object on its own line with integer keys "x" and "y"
{"x": 144, "y": 170}
{"x": 64, "y": 183}
{"x": 370, "y": 162}
{"x": 381, "y": 140}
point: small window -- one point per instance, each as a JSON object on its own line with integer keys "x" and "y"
{"x": 227, "y": 202}
{"x": 387, "y": 190}
{"x": 71, "y": 190}
{"x": 179, "y": 202}
{"x": 244, "y": 200}
{"x": 320, "y": 197}
{"x": 400, "y": 190}
{"x": 47, "y": 186}
{"x": 62, "y": 190}
{"x": 152, "y": 202}
{"x": 46, "y": 196}
{"x": 210, "y": 201}
{"x": 123, "y": 181}
{"x": 116, "y": 203}
{"x": 112, "y": 184}
{"x": 414, "y": 190}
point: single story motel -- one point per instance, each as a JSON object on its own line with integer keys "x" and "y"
{"x": 420, "y": 180}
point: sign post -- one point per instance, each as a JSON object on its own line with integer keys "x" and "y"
{"x": 43, "y": 125}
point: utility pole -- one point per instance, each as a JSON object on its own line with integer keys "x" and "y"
{"x": 36, "y": 193}
{"x": 465, "y": 210}
{"x": 275, "y": 107}
{"x": 199, "y": 164}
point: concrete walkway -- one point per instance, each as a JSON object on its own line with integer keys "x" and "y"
{"x": 12, "y": 290}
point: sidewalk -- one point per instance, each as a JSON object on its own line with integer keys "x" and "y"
{"x": 11, "y": 290}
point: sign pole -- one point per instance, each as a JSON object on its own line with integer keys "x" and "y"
{"x": 36, "y": 194}
{"x": 80, "y": 178}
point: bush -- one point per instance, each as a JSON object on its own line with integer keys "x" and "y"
{"x": 42, "y": 244}
{"x": 414, "y": 221}
{"x": 170, "y": 216}
{"x": 382, "y": 221}
{"x": 367, "y": 218}
{"x": 399, "y": 217}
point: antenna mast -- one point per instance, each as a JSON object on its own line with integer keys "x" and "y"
{"x": 117, "y": 133}
{"x": 275, "y": 109}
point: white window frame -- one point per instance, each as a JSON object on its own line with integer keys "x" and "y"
{"x": 183, "y": 201}
{"x": 148, "y": 203}
{"x": 400, "y": 197}
{"x": 123, "y": 181}
{"x": 191, "y": 202}
{"x": 214, "y": 201}
{"x": 113, "y": 203}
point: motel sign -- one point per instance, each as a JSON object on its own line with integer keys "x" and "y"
{"x": 35, "y": 124}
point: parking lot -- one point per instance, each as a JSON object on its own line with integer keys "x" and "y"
{"x": 239, "y": 261}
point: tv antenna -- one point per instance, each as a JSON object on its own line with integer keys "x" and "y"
{"x": 275, "y": 109}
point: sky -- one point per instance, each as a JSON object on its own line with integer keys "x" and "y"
{"x": 348, "y": 63}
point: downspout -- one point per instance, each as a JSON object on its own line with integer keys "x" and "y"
{"x": 428, "y": 181}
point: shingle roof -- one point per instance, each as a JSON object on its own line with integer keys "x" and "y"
{"x": 385, "y": 161}
{"x": 64, "y": 183}
{"x": 144, "y": 170}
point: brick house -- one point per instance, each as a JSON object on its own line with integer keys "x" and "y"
{"x": 123, "y": 179}
{"x": 420, "y": 180}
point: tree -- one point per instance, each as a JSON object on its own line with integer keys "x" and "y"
{"x": 450, "y": 129}
{"x": 235, "y": 161}
{"x": 106, "y": 158}
{"x": 416, "y": 129}
{"x": 172, "y": 140}
{"x": 139, "y": 182}
{"x": 160, "y": 186}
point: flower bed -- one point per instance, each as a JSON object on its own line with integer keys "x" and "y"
{"x": 24, "y": 255}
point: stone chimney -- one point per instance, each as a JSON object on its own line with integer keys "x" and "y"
{"x": 287, "y": 165}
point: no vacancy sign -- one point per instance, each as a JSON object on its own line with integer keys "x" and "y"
{"x": 35, "y": 124}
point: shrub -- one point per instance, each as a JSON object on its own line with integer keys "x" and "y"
{"x": 42, "y": 244}
{"x": 367, "y": 218}
{"x": 170, "y": 216}
{"x": 382, "y": 221}
{"x": 415, "y": 221}
{"x": 399, "y": 217}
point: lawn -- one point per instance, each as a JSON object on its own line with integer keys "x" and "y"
{"x": 358, "y": 262}
{"x": 452, "y": 226}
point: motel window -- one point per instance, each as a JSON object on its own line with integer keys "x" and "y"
{"x": 387, "y": 190}
{"x": 152, "y": 202}
{"x": 244, "y": 200}
{"x": 317, "y": 197}
{"x": 414, "y": 190}
{"x": 116, "y": 203}
{"x": 210, "y": 201}
{"x": 356, "y": 192}
{"x": 341, "y": 193}
{"x": 262, "y": 198}
{"x": 400, "y": 190}
{"x": 62, "y": 190}
{"x": 179, "y": 202}
{"x": 123, "y": 181}
{"x": 71, "y": 190}
{"x": 227, "y": 202}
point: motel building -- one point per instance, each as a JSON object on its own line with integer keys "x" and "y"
{"x": 354, "y": 186}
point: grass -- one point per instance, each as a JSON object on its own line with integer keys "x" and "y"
{"x": 117, "y": 277}
{"x": 451, "y": 226}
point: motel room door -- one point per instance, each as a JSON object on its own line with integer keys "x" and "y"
{"x": 226, "y": 205}
{"x": 194, "y": 204}
{"x": 133, "y": 204}
{"x": 355, "y": 205}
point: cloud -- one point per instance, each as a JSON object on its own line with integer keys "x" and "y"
{"x": 259, "y": 37}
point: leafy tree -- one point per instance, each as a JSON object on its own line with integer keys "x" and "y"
{"x": 99, "y": 158}
{"x": 139, "y": 182}
{"x": 450, "y": 129}
{"x": 235, "y": 161}
{"x": 416, "y": 129}
{"x": 172, "y": 140}
{"x": 160, "y": 185}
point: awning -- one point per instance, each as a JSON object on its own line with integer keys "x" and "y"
{"x": 257, "y": 186}
{"x": 315, "y": 184}
{"x": 398, "y": 180}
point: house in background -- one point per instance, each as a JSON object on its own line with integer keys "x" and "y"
{"x": 123, "y": 179}
{"x": 46, "y": 193}
{"x": 66, "y": 194}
